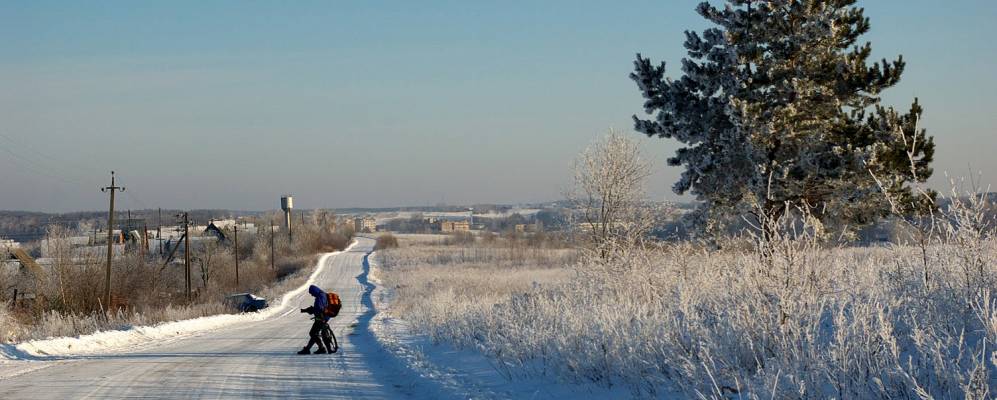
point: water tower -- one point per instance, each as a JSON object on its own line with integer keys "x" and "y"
{"x": 286, "y": 204}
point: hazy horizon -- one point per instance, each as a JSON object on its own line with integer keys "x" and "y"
{"x": 229, "y": 105}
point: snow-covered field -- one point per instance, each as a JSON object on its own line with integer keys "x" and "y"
{"x": 466, "y": 372}
{"x": 683, "y": 321}
{"x": 385, "y": 217}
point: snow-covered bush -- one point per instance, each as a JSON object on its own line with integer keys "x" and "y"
{"x": 386, "y": 241}
{"x": 11, "y": 329}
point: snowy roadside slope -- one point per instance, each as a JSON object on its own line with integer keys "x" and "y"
{"x": 465, "y": 372}
{"x": 135, "y": 336}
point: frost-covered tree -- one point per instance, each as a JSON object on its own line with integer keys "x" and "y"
{"x": 777, "y": 106}
{"x": 610, "y": 176}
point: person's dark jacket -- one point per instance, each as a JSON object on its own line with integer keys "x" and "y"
{"x": 321, "y": 301}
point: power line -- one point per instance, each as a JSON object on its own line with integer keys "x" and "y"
{"x": 56, "y": 160}
{"x": 138, "y": 200}
{"x": 37, "y": 169}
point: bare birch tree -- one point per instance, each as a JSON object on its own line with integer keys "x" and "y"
{"x": 610, "y": 178}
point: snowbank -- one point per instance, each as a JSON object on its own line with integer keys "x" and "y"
{"x": 136, "y": 336}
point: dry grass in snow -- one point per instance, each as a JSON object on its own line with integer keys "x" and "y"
{"x": 806, "y": 320}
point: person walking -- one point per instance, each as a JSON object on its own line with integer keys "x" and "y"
{"x": 321, "y": 321}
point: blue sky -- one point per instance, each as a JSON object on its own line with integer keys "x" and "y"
{"x": 228, "y": 104}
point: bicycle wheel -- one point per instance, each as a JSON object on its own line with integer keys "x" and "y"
{"x": 330, "y": 339}
{"x": 335, "y": 343}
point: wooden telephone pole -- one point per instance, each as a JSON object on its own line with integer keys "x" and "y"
{"x": 271, "y": 245}
{"x": 159, "y": 232}
{"x": 110, "y": 243}
{"x": 186, "y": 254}
{"x": 236, "y": 230}
{"x": 144, "y": 241}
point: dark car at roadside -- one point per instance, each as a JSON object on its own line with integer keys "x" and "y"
{"x": 246, "y": 302}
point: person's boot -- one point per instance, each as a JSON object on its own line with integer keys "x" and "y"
{"x": 321, "y": 350}
{"x": 305, "y": 351}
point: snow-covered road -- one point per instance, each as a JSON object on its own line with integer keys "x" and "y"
{"x": 245, "y": 360}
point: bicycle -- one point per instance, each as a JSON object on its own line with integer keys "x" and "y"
{"x": 329, "y": 338}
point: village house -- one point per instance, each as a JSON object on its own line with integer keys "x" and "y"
{"x": 455, "y": 226}
{"x": 529, "y": 228}
{"x": 364, "y": 224}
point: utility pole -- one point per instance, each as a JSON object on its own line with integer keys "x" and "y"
{"x": 144, "y": 240}
{"x": 236, "y": 227}
{"x": 110, "y": 243}
{"x": 159, "y": 231}
{"x": 271, "y": 245}
{"x": 126, "y": 230}
{"x": 186, "y": 255}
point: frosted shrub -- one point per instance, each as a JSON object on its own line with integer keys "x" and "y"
{"x": 386, "y": 241}
{"x": 10, "y": 329}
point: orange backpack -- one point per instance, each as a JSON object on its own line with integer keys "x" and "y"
{"x": 333, "y": 306}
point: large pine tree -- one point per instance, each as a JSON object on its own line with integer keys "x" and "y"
{"x": 777, "y": 105}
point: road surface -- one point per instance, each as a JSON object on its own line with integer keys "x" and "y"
{"x": 245, "y": 360}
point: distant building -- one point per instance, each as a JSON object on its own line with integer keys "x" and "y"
{"x": 77, "y": 247}
{"x": 8, "y": 244}
{"x": 131, "y": 224}
{"x": 54, "y": 247}
{"x": 223, "y": 223}
{"x": 598, "y": 226}
{"x": 455, "y": 226}
{"x": 364, "y": 224}
{"x": 531, "y": 228}
{"x": 216, "y": 231}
